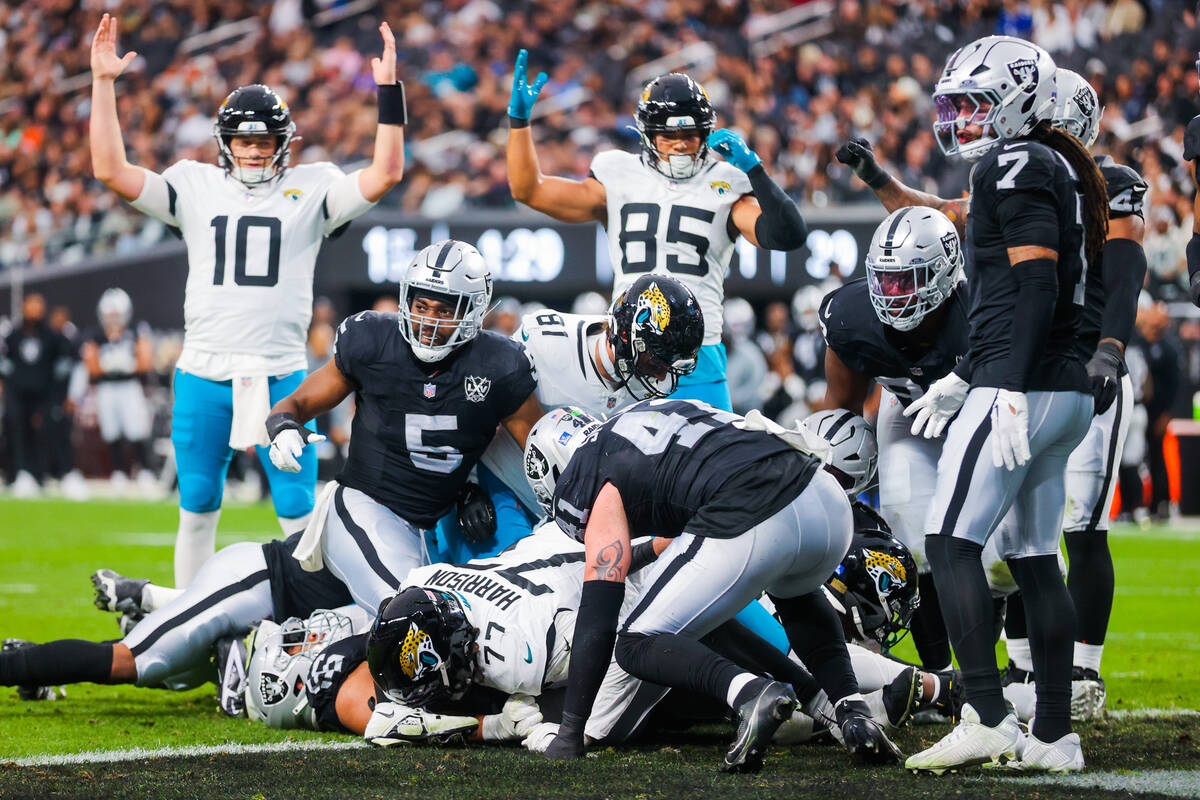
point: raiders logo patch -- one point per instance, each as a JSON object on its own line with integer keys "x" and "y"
{"x": 476, "y": 388}
{"x": 272, "y": 688}
{"x": 951, "y": 245}
{"x": 536, "y": 466}
{"x": 1025, "y": 72}
{"x": 1086, "y": 102}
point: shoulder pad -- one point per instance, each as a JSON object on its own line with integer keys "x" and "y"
{"x": 1126, "y": 189}
{"x": 610, "y": 165}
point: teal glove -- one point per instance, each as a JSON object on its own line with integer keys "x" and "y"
{"x": 523, "y": 95}
{"x": 733, "y": 149}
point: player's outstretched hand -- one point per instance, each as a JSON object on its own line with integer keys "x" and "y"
{"x": 733, "y": 148}
{"x": 287, "y": 446}
{"x": 476, "y": 513}
{"x": 520, "y": 105}
{"x": 384, "y": 68}
{"x": 1010, "y": 430}
{"x": 106, "y": 64}
{"x": 515, "y": 721}
{"x": 937, "y": 406}
{"x": 856, "y": 153}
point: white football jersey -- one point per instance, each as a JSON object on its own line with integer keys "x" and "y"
{"x": 557, "y": 344}
{"x": 677, "y": 228}
{"x": 251, "y": 256}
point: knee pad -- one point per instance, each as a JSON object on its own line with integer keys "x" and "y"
{"x": 200, "y": 490}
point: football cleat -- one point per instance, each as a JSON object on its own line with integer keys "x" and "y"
{"x": 116, "y": 593}
{"x": 969, "y": 744}
{"x": 1088, "y": 695}
{"x": 393, "y": 723}
{"x": 901, "y": 697}
{"x": 229, "y": 657}
{"x": 863, "y": 736}
{"x": 127, "y": 622}
{"x": 1065, "y": 755}
{"x": 758, "y": 719}
{"x": 32, "y": 692}
{"x": 951, "y": 696}
{"x": 1013, "y": 674}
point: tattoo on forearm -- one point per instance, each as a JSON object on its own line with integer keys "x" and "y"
{"x": 895, "y": 194}
{"x": 608, "y": 562}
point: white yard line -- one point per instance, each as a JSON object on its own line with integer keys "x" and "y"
{"x": 1159, "y": 782}
{"x": 139, "y": 753}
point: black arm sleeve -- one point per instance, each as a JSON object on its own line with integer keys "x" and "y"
{"x": 1033, "y": 315}
{"x": 963, "y": 368}
{"x": 780, "y": 226}
{"x": 591, "y": 652}
{"x": 1123, "y": 270}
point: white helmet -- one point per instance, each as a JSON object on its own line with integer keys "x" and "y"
{"x": 114, "y": 309}
{"x": 912, "y": 264}
{"x": 551, "y": 442}
{"x": 1076, "y": 107}
{"x": 739, "y": 318}
{"x": 806, "y": 307}
{"x": 1015, "y": 78}
{"x": 453, "y": 273}
{"x": 280, "y": 659}
{"x": 855, "y": 453}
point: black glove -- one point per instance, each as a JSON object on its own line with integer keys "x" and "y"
{"x": 565, "y": 748}
{"x": 1105, "y": 370}
{"x": 476, "y": 514}
{"x": 862, "y": 735}
{"x": 1191, "y": 139}
{"x": 857, "y": 154}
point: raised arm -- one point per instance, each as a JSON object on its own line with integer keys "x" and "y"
{"x": 564, "y": 199}
{"x": 857, "y": 154}
{"x": 387, "y": 165}
{"x": 108, "y": 147}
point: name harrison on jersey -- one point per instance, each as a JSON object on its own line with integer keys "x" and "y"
{"x": 481, "y": 586}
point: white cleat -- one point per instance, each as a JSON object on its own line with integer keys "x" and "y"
{"x": 1023, "y": 697}
{"x": 1065, "y": 755}
{"x": 393, "y": 723}
{"x": 969, "y": 744}
{"x": 25, "y": 486}
{"x": 1088, "y": 695}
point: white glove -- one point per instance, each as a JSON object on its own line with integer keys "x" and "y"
{"x": 518, "y": 717}
{"x": 287, "y": 446}
{"x": 541, "y": 736}
{"x": 1010, "y": 430}
{"x": 938, "y": 405}
{"x": 393, "y": 723}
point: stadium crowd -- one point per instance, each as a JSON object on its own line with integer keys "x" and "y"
{"x": 796, "y": 102}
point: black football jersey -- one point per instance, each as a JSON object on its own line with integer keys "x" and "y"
{"x": 419, "y": 428}
{"x": 892, "y": 358}
{"x": 1024, "y": 169}
{"x": 668, "y": 458}
{"x": 1126, "y": 198}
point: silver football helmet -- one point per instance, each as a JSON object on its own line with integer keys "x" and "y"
{"x": 739, "y": 318}
{"x": 912, "y": 263}
{"x": 453, "y": 274}
{"x": 551, "y": 442}
{"x": 1001, "y": 83}
{"x": 114, "y": 309}
{"x": 855, "y": 453}
{"x": 1076, "y": 106}
{"x": 281, "y": 657}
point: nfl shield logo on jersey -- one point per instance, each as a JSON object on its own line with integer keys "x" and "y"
{"x": 430, "y": 391}
{"x": 476, "y": 388}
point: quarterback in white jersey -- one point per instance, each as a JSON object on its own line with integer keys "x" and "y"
{"x": 670, "y": 210}
{"x": 253, "y": 226}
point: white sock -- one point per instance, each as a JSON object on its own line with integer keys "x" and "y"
{"x": 194, "y": 544}
{"x": 1088, "y": 655}
{"x": 1021, "y": 655}
{"x": 155, "y": 597}
{"x": 736, "y": 686}
{"x": 928, "y": 697}
{"x": 292, "y": 524}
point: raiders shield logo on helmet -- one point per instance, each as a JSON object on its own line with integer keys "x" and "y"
{"x": 1025, "y": 73}
{"x": 476, "y": 388}
{"x": 272, "y": 688}
{"x": 1086, "y": 101}
{"x": 951, "y": 245}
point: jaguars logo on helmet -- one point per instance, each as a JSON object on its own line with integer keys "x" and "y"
{"x": 652, "y": 308}
{"x": 417, "y": 655}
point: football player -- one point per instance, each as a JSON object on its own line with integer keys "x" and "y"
{"x": 1038, "y": 219}
{"x": 903, "y": 326}
{"x": 117, "y": 358}
{"x": 684, "y": 469}
{"x": 670, "y": 210}
{"x": 252, "y": 225}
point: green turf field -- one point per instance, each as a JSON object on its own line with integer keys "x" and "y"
{"x": 48, "y": 549}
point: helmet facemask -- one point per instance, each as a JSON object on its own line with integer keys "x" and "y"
{"x": 676, "y": 166}
{"x": 433, "y": 337}
{"x": 904, "y": 294}
{"x": 957, "y": 110}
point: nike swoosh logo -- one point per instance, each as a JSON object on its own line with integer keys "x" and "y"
{"x": 528, "y": 654}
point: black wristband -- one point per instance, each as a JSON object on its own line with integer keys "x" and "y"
{"x": 277, "y": 423}
{"x": 393, "y": 109}
{"x": 874, "y": 175}
{"x": 517, "y": 122}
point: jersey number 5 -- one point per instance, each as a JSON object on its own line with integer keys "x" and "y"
{"x": 244, "y": 224}
{"x": 648, "y": 237}
{"x": 441, "y": 458}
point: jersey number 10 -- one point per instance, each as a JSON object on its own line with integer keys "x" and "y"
{"x": 240, "y": 276}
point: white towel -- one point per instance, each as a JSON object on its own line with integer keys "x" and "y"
{"x": 799, "y": 437}
{"x": 251, "y": 405}
{"x": 308, "y": 549}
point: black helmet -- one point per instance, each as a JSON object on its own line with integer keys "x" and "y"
{"x": 254, "y": 110}
{"x": 874, "y": 589}
{"x": 669, "y": 104}
{"x": 655, "y": 330}
{"x": 421, "y": 649}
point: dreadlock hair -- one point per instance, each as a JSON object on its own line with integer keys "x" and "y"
{"x": 1095, "y": 191}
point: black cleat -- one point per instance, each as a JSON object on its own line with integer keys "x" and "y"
{"x": 758, "y": 719}
{"x": 1011, "y": 674}
{"x": 901, "y": 696}
{"x": 116, "y": 593}
{"x": 32, "y": 692}
{"x": 232, "y": 663}
{"x": 952, "y": 695}
{"x": 863, "y": 737}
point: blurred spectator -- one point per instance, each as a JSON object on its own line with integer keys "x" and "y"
{"x": 505, "y": 316}
{"x": 592, "y": 303}
{"x": 1161, "y": 355}
{"x": 746, "y": 368}
{"x": 386, "y": 304}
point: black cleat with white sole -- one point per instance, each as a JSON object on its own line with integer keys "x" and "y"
{"x": 902, "y": 696}
{"x": 116, "y": 593}
{"x": 862, "y": 736}
{"x": 758, "y": 719}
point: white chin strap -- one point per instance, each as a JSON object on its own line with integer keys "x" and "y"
{"x": 252, "y": 176}
{"x": 679, "y": 165}
{"x": 430, "y": 354}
